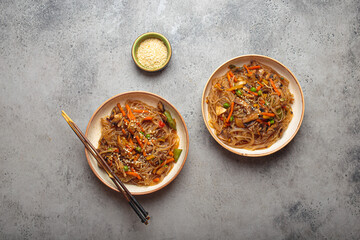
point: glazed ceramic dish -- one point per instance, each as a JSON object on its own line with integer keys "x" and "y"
{"x": 93, "y": 133}
{"x": 297, "y": 107}
{"x": 142, "y": 38}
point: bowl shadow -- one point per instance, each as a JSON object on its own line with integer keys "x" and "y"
{"x": 267, "y": 160}
{"x": 150, "y": 75}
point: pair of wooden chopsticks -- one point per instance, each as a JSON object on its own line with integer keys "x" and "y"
{"x": 140, "y": 211}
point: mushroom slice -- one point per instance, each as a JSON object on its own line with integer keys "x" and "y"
{"x": 161, "y": 107}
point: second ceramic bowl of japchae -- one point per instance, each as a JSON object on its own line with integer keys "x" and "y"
{"x": 238, "y": 64}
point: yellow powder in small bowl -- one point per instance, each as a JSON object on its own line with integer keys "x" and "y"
{"x": 152, "y": 53}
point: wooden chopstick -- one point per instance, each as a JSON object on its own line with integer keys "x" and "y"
{"x": 136, "y": 206}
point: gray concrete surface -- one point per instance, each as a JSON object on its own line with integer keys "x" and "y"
{"x": 73, "y": 55}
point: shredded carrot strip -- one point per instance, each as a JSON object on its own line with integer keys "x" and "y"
{"x": 146, "y": 143}
{"x": 254, "y": 67}
{"x": 125, "y": 120}
{"x": 156, "y": 179}
{"x": 138, "y": 140}
{"x": 231, "y": 111}
{"x": 258, "y": 88}
{"x": 263, "y": 122}
{"x": 129, "y": 148}
{"x": 260, "y": 84}
{"x": 134, "y": 174}
{"x": 171, "y": 153}
{"x": 229, "y": 78}
{"x": 268, "y": 114}
{"x": 131, "y": 131}
{"x": 274, "y": 87}
{"x": 218, "y": 86}
{"x": 253, "y": 93}
{"x": 140, "y": 111}
{"x": 136, "y": 157}
{"x": 131, "y": 141}
{"x": 124, "y": 132}
{"x": 247, "y": 69}
{"x": 143, "y": 130}
{"x": 148, "y": 118}
{"x": 130, "y": 114}
{"x": 233, "y": 76}
{"x": 121, "y": 110}
{"x": 262, "y": 102}
{"x": 167, "y": 161}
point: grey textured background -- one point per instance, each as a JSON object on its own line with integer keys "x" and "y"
{"x": 73, "y": 55}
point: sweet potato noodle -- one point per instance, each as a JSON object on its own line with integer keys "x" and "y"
{"x": 139, "y": 142}
{"x": 250, "y": 106}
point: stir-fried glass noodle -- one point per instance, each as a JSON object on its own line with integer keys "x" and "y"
{"x": 139, "y": 142}
{"x": 250, "y": 106}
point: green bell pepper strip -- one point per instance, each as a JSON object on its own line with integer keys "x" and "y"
{"x": 177, "y": 153}
{"x": 170, "y": 120}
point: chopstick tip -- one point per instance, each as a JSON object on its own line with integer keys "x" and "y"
{"x": 67, "y": 118}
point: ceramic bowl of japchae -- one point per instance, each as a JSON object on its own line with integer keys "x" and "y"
{"x": 254, "y": 83}
{"x": 94, "y": 133}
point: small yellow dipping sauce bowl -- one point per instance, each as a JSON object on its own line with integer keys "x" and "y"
{"x": 144, "y": 37}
